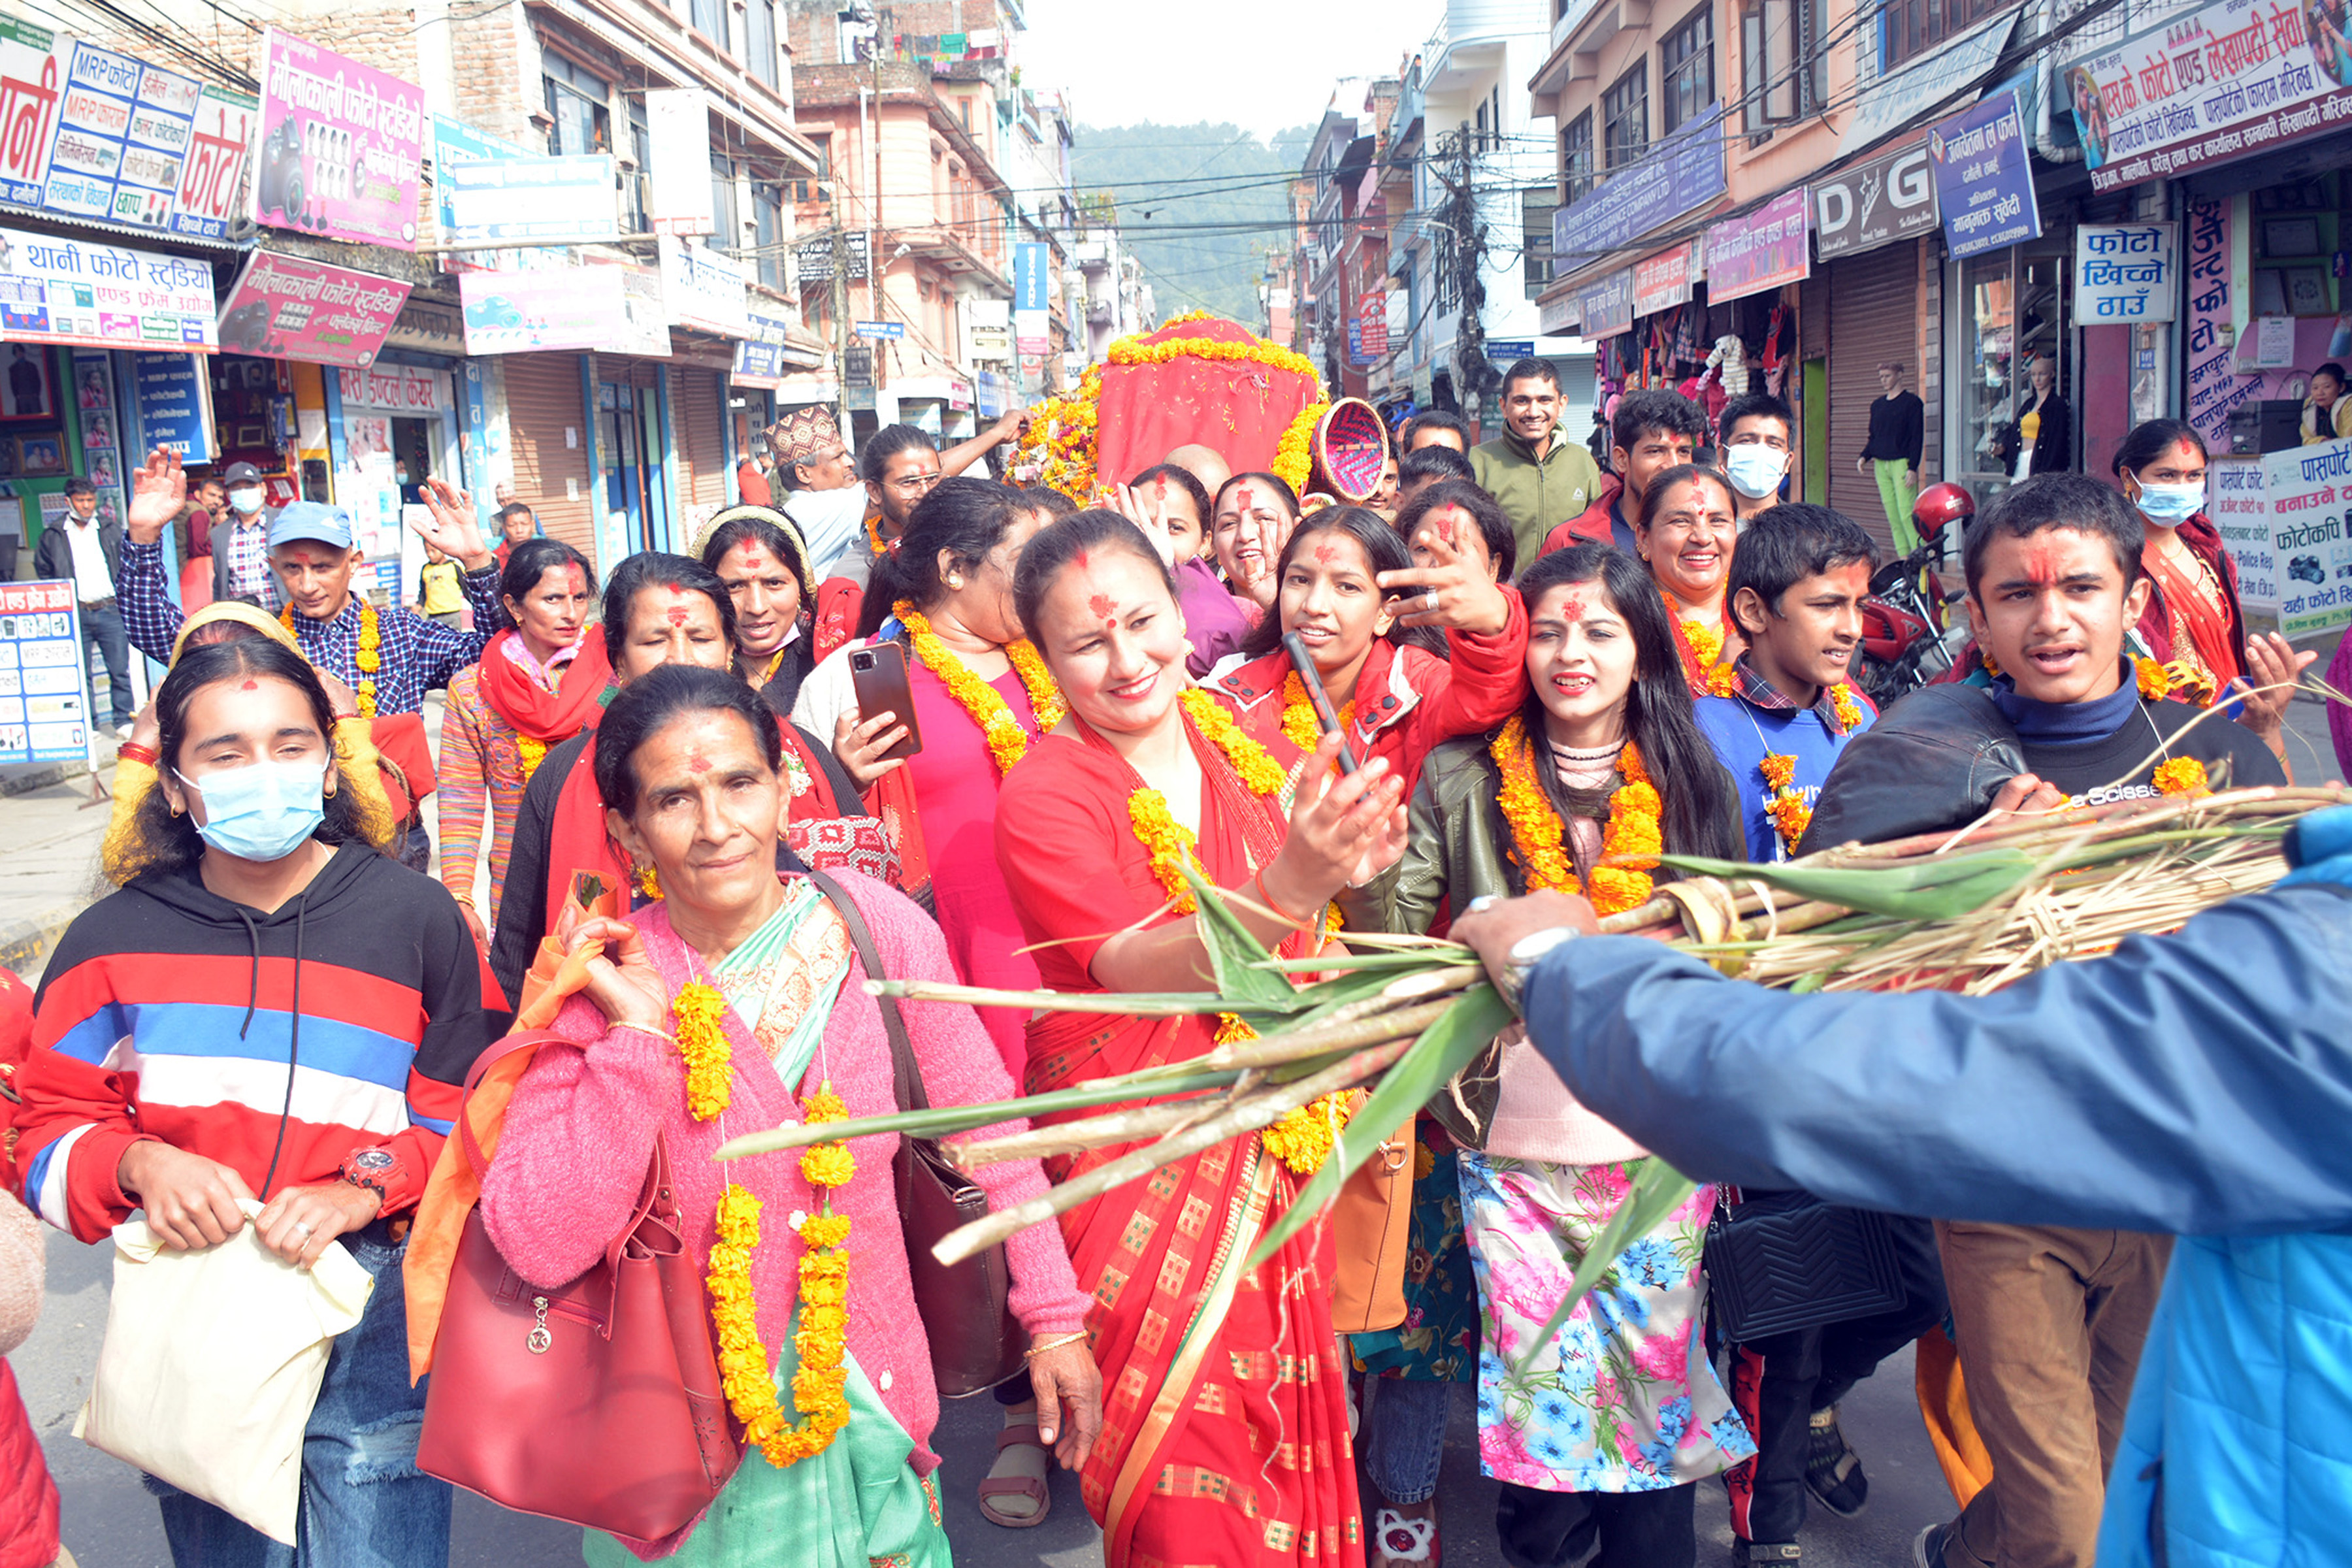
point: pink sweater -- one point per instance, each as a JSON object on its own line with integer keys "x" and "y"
{"x": 580, "y": 1134}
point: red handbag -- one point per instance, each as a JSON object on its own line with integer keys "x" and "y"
{"x": 597, "y": 1402}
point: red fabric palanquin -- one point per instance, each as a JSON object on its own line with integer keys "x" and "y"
{"x": 1238, "y": 408}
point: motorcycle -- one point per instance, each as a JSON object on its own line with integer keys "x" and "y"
{"x": 1907, "y": 638}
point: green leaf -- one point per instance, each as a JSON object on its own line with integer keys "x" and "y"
{"x": 1234, "y": 955}
{"x": 944, "y": 1120}
{"x": 1657, "y": 1191}
{"x": 1444, "y": 1048}
{"x": 1938, "y": 888}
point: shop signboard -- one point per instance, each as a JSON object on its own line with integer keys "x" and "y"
{"x": 571, "y": 200}
{"x": 212, "y": 180}
{"x": 517, "y": 312}
{"x": 701, "y": 288}
{"x": 995, "y": 394}
{"x": 2126, "y": 272}
{"x": 1662, "y": 281}
{"x": 1031, "y": 290}
{"x": 31, "y": 82}
{"x": 987, "y": 330}
{"x": 759, "y": 358}
{"x": 1504, "y": 350}
{"x": 1890, "y": 198}
{"x": 1760, "y": 251}
{"x": 815, "y": 259}
{"x": 2223, "y": 82}
{"x": 455, "y": 142}
{"x": 123, "y": 130}
{"x": 647, "y": 332}
{"x": 342, "y": 143}
{"x": 1607, "y": 304}
{"x": 404, "y": 389}
{"x": 424, "y": 325}
{"x": 1983, "y": 188}
{"x": 1373, "y": 320}
{"x": 290, "y": 307}
{"x": 2241, "y": 514}
{"x": 1683, "y": 172}
{"x": 42, "y": 716}
{"x": 2309, "y": 490}
{"x": 678, "y": 137}
{"x": 2215, "y": 383}
{"x": 174, "y": 404}
{"x": 88, "y": 292}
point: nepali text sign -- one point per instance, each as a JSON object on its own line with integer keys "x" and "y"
{"x": 123, "y": 130}
{"x": 2215, "y": 386}
{"x": 514, "y": 312}
{"x": 98, "y": 294}
{"x": 2126, "y": 272}
{"x": 174, "y": 406}
{"x": 2223, "y": 82}
{"x": 1373, "y": 316}
{"x": 1608, "y": 304}
{"x": 402, "y": 389}
{"x": 2310, "y": 492}
{"x": 42, "y": 715}
{"x": 759, "y": 358}
{"x": 342, "y": 143}
{"x": 31, "y": 83}
{"x": 1761, "y": 251}
{"x": 211, "y": 187}
{"x": 701, "y": 288}
{"x": 1662, "y": 281}
{"x": 1982, "y": 184}
{"x": 1683, "y": 172}
{"x": 495, "y": 201}
{"x": 1890, "y": 198}
{"x": 290, "y": 307}
{"x": 2241, "y": 513}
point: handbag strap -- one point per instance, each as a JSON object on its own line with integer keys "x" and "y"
{"x": 526, "y": 1039}
{"x": 906, "y": 1074}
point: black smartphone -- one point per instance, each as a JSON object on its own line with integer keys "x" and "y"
{"x": 1325, "y": 719}
{"x": 878, "y": 675}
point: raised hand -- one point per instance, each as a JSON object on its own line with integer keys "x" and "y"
{"x": 1344, "y": 830}
{"x": 452, "y": 528}
{"x": 1453, "y": 590}
{"x": 159, "y": 493}
{"x": 1153, "y": 520}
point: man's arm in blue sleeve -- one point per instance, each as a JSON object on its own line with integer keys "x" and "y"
{"x": 2195, "y": 1083}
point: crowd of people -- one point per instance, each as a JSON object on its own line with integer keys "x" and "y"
{"x": 700, "y": 832}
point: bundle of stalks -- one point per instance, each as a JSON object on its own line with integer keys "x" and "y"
{"x": 1400, "y": 1016}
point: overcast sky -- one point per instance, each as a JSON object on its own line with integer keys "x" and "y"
{"x": 1263, "y": 65}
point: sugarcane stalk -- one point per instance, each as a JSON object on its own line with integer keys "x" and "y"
{"x": 1364, "y": 1029}
{"x": 1165, "y": 1004}
{"x": 1123, "y": 1126}
{"x": 1261, "y": 1109}
{"x": 943, "y": 1121}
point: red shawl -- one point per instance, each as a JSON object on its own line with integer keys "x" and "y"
{"x": 2218, "y": 636}
{"x": 548, "y": 716}
{"x": 1181, "y": 1471}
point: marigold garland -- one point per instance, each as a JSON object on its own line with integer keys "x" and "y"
{"x": 1846, "y": 705}
{"x": 1298, "y": 725}
{"x": 1134, "y": 350}
{"x": 875, "y": 543}
{"x": 1539, "y": 839}
{"x": 1700, "y": 645}
{"x": 2153, "y": 682}
{"x": 1303, "y": 1136}
{"x": 370, "y": 657}
{"x": 1008, "y": 743}
{"x": 1785, "y": 805}
{"x": 1254, "y": 762}
{"x": 821, "y": 1336}
{"x": 647, "y": 879}
{"x": 2182, "y": 776}
{"x": 1293, "y": 454}
{"x": 695, "y": 1013}
{"x": 1169, "y": 840}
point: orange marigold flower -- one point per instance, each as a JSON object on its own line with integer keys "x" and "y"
{"x": 2181, "y": 775}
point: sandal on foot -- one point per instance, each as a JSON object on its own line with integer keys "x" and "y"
{"x": 1030, "y": 1487}
{"x": 1832, "y": 1469}
{"x": 1404, "y": 1533}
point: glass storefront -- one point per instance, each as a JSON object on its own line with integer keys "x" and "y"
{"x": 2012, "y": 308}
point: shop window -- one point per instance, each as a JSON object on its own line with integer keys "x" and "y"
{"x": 1626, "y": 118}
{"x": 576, "y": 102}
{"x": 1686, "y": 70}
{"x": 1449, "y": 297}
{"x": 722, "y": 201}
{"x": 710, "y": 20}
{"x": 2012, "y": 310}
{"x": 1535, "y": 208}
{"x": 1909, "y": 28}
{"x": 1784, "y": 48}
{"x": 759, "y": 41}
{"x": 1576, "y": 158}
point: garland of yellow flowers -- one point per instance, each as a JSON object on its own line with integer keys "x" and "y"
{"x": 875, "y": 543}
{"x": 1846, "y": 705}
{"x": 1293, "y": 454}
{"x": 1789, "y": 814}
{"x": 370, "y": 657}
{"x": 2156, "y": 681}
{"x": 1299, "y": 723}
{"x": 821, "y": 1337}
{"x": 1631, "y": 833}
{"x": 533, "y": 752}
{"x": 1133, "y": 350}
{"x": 1008, "y": 743}
{"x": 2182, "y": 776}
{"x": 1303, "y": 1138}
{"x": 1699, "y": 642}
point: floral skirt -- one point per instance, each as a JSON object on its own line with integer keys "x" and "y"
{"x": 1438, "y": 1340}
{"x": 1621, "y": 1397}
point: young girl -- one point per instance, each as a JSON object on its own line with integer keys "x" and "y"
{"x": 1250, "y": 524}
{"x": 1226, "y": 1437}
{"x": 1620, "y": 1413}
{"x": 1170, "y": 499}
{"x": 1350, "y": 590}
{"x": 1686, "y": 533}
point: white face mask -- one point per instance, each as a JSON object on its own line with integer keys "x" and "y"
{"x": 1755, "y": 470}
{"x": 246, "y": 500}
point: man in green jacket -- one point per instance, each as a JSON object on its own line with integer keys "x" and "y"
{"x": 1540, "y": 479}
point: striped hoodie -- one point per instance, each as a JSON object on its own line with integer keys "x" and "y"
{"x": 343, "y": 1020}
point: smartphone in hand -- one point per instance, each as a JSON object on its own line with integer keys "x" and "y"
{"x": 878, "y": 675}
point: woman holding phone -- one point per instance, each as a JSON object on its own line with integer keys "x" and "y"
{"x": 1348, "y": 585}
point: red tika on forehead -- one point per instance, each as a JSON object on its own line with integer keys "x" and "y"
{"x": 1244, "y": 497}
{"x": 1571, "y": 609}
{"x": 250, "y": 686}
{"x": 1100, "y": 605}
{"x": 748, "y": 550}
{"x": 700, "y": 764}
{"x": 1326, "y": 550}
{"x": 678, "y": 614}
{"x": 2042, "y": 563}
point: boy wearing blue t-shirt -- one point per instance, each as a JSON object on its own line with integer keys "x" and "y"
{"x": 1797, "y": 581}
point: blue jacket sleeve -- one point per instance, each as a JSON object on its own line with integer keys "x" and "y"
{"x": 2200, "y": 1083}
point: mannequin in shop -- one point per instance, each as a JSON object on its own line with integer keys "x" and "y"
{"x": 1898, "y": 432}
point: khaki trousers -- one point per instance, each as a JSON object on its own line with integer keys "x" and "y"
{"x": 2049, "y": 1323}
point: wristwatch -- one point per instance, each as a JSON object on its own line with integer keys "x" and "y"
{"x": 1522, "y": 958}
{"x": 374, "y": 1169}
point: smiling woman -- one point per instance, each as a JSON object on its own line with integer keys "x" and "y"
{"x": 1686, "y": 533}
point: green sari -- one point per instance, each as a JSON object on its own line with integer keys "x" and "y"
{"x": 858, "y": 1504}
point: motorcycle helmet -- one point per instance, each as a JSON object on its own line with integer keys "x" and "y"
{"x": 1941, "y": 505}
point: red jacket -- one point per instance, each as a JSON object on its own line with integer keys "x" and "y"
{"x": 1407, "y": 699}
{"x": 1589, "y": 526}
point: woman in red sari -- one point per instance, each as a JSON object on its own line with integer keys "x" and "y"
{"x": 1225, "y": 1433}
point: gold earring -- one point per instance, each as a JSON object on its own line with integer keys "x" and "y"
{"x": 955, "y": 582}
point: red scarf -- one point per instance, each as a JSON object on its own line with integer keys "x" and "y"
{"x": 548, "y": 716}
{"x": 2209, "y": 627}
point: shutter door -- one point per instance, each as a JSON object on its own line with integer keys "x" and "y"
{"x": 543, "y": 403}
{"x": 703, "y": 469}
{"x": 1873, "y": 317}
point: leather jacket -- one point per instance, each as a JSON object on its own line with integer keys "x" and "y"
{"x": 1933, "y": 760}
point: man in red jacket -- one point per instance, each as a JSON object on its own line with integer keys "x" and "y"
{"x": 1653, "y": 431}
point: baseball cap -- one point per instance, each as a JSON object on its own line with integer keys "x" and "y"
{"x": 310, "y": 520}
{"x": 241, "y": 474}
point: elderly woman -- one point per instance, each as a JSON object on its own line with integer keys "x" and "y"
{"x": 735, "y": 1002}
{"x": 758, "y": 553}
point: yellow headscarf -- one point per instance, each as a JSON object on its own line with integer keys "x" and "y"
{"x": 354, "y": 749}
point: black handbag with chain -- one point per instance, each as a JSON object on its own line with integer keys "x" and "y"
{"x": 1781, "y": 1260}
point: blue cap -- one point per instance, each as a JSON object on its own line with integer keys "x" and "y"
{"x": 310, "y": 520}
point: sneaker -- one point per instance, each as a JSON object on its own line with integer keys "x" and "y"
{"x": 1754, "y": 1553}
{"x": 1833, "y": 1470}
{"x": 1927, "y": 1548}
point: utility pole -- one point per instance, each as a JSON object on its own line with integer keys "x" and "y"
{"x": 841, "y": 315}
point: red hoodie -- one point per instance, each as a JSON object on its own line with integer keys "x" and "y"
{"x": 1589, "y": 526}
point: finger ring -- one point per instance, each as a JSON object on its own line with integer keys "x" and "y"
{"x": 1482, "y": 901}
{"x": 1430, "y": 599}
{"x": 302, "y": 1228}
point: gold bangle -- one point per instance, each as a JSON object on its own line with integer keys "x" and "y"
{"x": 1054, "y": 1344}
{"x": 646, "y": 1029}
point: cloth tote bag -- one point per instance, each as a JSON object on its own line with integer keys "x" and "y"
{"x": 212, "y": 1363}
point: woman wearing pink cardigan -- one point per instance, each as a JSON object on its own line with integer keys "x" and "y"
{"x": 688, "y": 761}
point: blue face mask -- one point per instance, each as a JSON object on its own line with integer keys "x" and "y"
{"x": 2172, "y": 503}
{"x": 262, "y": 811}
